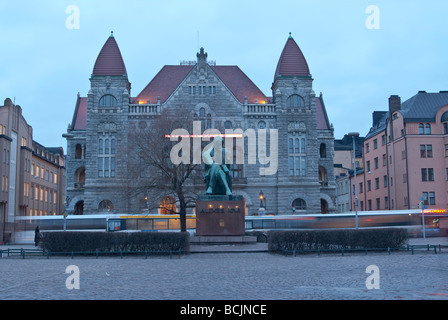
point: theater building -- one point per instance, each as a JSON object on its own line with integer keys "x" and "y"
{"x": 219, "y": 96}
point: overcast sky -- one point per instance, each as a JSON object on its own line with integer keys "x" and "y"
{"x": 45, "y": 61}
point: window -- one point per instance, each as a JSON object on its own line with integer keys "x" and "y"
{"x": 108, "y": 101}
{"x": 299, "y": 204}
{"x": 429, "y": 198}
{"x": 375, "y": 144}
{"x": 106, "y": 156}
{"x": 295, "y": 101}
{"x": 323, "y": 150}
{"x": 375, "y": 161}
{"x": 377, "y": 183}
{"x": 427, "y": 174}
{"x": 424, "y": 128}
{"x": 168, "y": 205}
{"x": 106, "y": 205}
{"x": 297, "y": 156}
{"x": 426, "y": 150}
{"x": 367, "y": 148}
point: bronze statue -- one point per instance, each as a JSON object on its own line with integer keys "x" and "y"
{"x": 217, "y": 175}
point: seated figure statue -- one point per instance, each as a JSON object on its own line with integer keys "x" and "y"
{"x": 217, "y": 175}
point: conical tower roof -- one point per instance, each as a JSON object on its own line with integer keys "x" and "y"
{"x": 109, "y": 61}
{"x": 292, "y": 62}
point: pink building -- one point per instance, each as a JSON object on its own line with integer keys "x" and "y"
{"x": 406, "y": 155}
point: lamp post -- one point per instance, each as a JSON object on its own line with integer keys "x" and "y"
{"x": 355, "y": 134}
{"x": 262, "y": 209}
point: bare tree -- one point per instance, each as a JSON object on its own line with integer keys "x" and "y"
{"x": 154, "y": 175}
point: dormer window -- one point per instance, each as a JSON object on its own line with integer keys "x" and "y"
{"x": 295, "y": 101}
{"x": 108, "y": 101}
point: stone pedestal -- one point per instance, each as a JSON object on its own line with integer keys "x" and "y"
{"x": 220, "y": 215}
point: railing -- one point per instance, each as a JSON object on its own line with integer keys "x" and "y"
{"x": 141, "y": 109}
{"x": 343, "y": 251}
{"x": 22, "y": 253}
{"x": 260, "y": 109}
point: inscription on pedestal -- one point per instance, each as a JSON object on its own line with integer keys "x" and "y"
{"x": 220, "y": 215}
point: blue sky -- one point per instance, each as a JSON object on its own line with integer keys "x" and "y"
{"x": 43, "y": 64}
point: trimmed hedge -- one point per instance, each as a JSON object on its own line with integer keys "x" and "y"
{"x": 104, "y": 242}
{"x": 336, "y": 239}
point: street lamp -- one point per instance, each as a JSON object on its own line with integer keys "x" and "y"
{"x": 355, "y": 134}
{"x": 262, "y": 209}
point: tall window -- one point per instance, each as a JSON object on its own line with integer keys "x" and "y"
{"x": 295, "y": 101}
{"x": 297, "y": 156}
{"x": 108, "y": 101}
{"x": 106, "y": 156}
{"x": 206, "y": 120}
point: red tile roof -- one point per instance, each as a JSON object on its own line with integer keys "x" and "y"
{"x": 109, "y": 61}
{"x": 164, "y": 83}
{"x": 292, "y": 62}
{"x": 240, "y": 84}
{"x": 80, "y": 117}
{"x": 321, "y": 114}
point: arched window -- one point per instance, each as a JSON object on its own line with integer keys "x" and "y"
{"x": 427, "y": 128}
{"x": 78, "y": 152}
{"x": 168, "y": 205}
{"x": 108, "y": 101}
{"x": 299, "y": 204}
{"x": 106, "y": 205}
{"x": 323, "y": 179}
{"x": 323, "y": 150}
{"x": 295, "y": 101}
{"x": 421, "y": 129}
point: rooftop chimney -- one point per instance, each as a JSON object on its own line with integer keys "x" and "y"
{"x": 394, "y": 103}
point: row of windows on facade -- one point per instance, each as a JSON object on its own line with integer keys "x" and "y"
{"x": 35, "y": 170}
{"x": 39, "y": 193}
{"x": 423, "y": 129}
{"x": 427, "y": 174}
{"x": 429, "y": 198}
{"x": 425, "y": 152}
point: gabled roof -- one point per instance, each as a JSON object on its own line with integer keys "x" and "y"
{"x": 292, "y": 62}
{"x": 164, "y": 83}
{"x": 170, "y": 77}
{"x": 109, "y": 61}
{"x": 239, "y": 84}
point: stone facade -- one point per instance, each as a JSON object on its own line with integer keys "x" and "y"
{"x": 220, "y": 97}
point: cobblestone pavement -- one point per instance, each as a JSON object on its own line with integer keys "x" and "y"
{"x": 229, "y": 276}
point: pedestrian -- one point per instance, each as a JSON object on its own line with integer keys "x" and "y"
{"x": 36, "y": 236}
